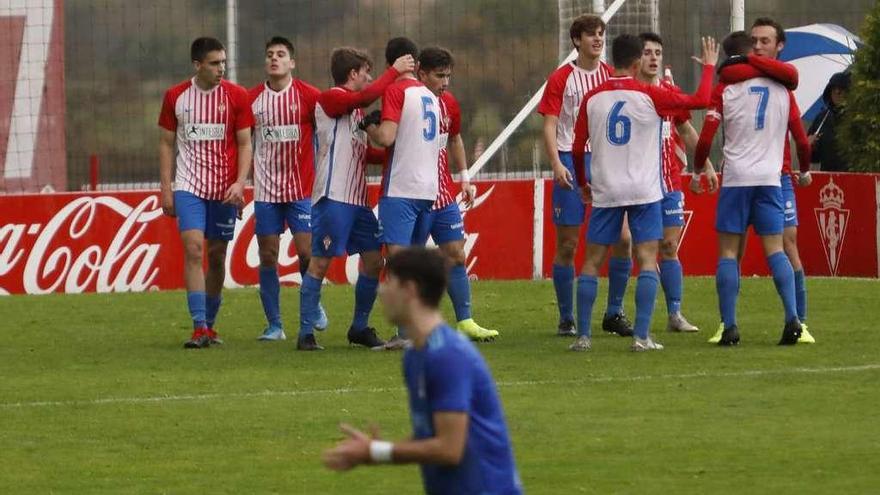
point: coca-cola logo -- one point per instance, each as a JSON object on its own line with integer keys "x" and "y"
{"x": 52, "y": 263}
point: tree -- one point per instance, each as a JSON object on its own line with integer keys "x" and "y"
{"x": 859, "y": 135}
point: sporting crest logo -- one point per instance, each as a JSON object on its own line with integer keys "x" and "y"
{"x": 832, "y": 220}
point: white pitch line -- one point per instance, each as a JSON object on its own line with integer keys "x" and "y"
{"x": 501, "y": 384}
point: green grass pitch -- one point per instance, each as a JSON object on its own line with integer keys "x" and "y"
{"x": 97, "y": 395}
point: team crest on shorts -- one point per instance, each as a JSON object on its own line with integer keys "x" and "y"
{"x": 327, "y": 241}
{"x": 832, "y": 219}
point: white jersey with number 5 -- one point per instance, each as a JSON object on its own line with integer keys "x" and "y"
{"x": 755, "y": 118}
{"x": 411, "y": 170}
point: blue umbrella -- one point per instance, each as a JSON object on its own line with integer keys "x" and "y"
{"x": 818, "y": 51}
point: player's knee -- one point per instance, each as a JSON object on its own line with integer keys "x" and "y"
{"x": 669, "y": 249}
{"x": 193, "y": 252}
{"x": 565, "y": 250}
{"x": 623, "y": 248}
{"x": 455, "y": 253}
{"x": 318, "y": 266}
{"x": 373, "y": 265}
{"x": 268, "y": 257}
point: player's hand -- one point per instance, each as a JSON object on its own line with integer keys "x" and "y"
{"x": 405, "y": 63}
{"x": 235, "y": 195}
{"x": 812, "y": 138}
{"x": 696, "y": 185}
{"x": 805, "y": 179}
{"x": 350, "y": 452}
{"x": 563, "y": 177}
{"x": 710, "y": 51}
{"x": 373, "y": 118}
{"x": 712, "y": 178}
{"x": 469, "y": 193}
{"x": 586, "y": 194}
{"x": 167, "y": 201}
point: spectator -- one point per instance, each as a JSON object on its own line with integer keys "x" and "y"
{"x": 822, "y": 133}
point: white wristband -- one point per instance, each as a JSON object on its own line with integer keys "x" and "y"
{"x": 380, "y": 451}
{"x": 464, "y": 176}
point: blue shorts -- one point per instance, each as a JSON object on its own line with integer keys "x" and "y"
{"x": 568, "y": 207}
{"x": 339, "y": 228}
{"x": 789, "y": 201}
{"x": 759, "y": 206}
{"x": 645, "y": 223}
{"x": 673, "y": 209}
{"x": 215, "y": 219}
{"x": 271, "y": 217}
{"x": 398, "y": 218}
{"x": 444, "y": 225}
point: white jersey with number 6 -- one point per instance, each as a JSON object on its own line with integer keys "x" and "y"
{"x": 412, "y": 167}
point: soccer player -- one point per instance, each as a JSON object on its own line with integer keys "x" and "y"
{"x": 559, "y": 105}
{"x": 341, "y": 220}
{"x": 768, "y": 40}
{"x": 623, "y": 118}
{"x": 410, "y": 129}
{"x": 757, "y": 114}
{"x": 209, "y": 119}
{"x": 444, "y": 222}
{"x": 284, "y": 165}
{"x": 677, "y": 132}
{"x": 459, "y": 436}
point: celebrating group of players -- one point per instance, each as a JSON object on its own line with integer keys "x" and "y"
{"x": 310, "y": 151}
{"x": 620, "y": 132}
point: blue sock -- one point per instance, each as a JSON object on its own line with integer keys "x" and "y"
{"x": 727, "y": 285}
{"x": 270, "y": 289}
{"x": 618, "y": 276}
{"x": 800, "y": 293}
{"x": 364, "y": 297}
{"x": 783, "y": 277}
{"x": 646, "y": 295}
{"x": 671, "y": 277}
{"x": 309, "y": 298}
{"x": 563, "y": 282}
{"x": 460, "y": 292}
{"x": 195, "y": 300}
{"x": 588, "y": 287}
{"x": 212, "y": 307}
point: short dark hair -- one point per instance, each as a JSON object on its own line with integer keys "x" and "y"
{"x": 202, "y": 46}
{"x": 398, "y": 47}
{"x": 767, "y": 21}
{"x": 434, "y": 57}
{"x": 587, "y": 23}
{"x": 626, "y": 49}
{"x": 737, "y": 43}
{"x": 425, "y": 267}
{"x": 281, "y": 40}
{"x": 346, "y": 59}
{"x": 650, "y": 36}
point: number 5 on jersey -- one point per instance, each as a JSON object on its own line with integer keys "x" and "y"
{"x": 619, "y": 126}
{"x": 430, "y": 117}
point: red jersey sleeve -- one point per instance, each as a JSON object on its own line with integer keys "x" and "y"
{"x": 710, "y": 127}
{"x": 244, "y": 114}
{"x": 454, "y": 114}
{"x": 581, "y": 135}
{"x": 551, "y": 100}
{"x": 337, "y": 102}
{"x": 167, "y": 117}
{"x": 796, "y": 127}
{"x": 669, "y": 102}
{"x": 392, "y": 103}
{"x": 783, "y": 73}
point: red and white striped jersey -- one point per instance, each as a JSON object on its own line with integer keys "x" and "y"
{"x": 565, "y": 90}
{"x": 674, "y": 152}
{"x": 413, "y": 159}
{"x": 284, "y": 148}
{"x": 341, "y": 164}
{"x": 450, "y": 126}
{"x": 206, "y": 123}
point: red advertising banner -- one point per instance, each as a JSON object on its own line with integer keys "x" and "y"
{"x": 32, "y": 143}
{"x": 119, "y": 242}
{"x": 837, "y": 233}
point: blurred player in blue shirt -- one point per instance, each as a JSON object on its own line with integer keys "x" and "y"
{"x": 459, "y": 434}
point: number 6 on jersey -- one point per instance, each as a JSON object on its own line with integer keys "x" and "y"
{"x": 619, "y": 128}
